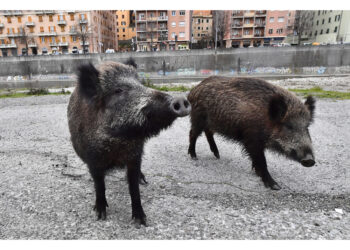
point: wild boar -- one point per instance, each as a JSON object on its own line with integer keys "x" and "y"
{"x": 256, "y": 114}
{"x": 110, "y": 116}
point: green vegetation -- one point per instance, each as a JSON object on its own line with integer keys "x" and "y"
{"x": 167, "y": 88}
{"x": 30, "y": 92}
{"x": 320, "y": 93}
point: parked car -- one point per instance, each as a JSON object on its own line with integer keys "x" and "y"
{"x": 110, "y": 51}
{"x": 315, "y": 44}
{"x": 75, "y": 50}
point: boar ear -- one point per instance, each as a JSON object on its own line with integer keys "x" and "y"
{"x": 88, "y": 80}
{"x": 277, "y": 108}
{"x": 310, "y": 104}
{"x": 131, "y": 62}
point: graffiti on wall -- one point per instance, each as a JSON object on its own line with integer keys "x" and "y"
{"x": 314, "y": 70}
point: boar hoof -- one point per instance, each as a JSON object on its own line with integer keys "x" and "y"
{"x": 140, "y": 221}
{"x": 142, "y": 180}
{"x": 193, "y": 155}
{"x": 217, "y": 155}
{"x": 273, "y": 185}
{"x": 101, "y": 211}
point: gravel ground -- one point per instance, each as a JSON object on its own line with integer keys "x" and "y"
{"x": 46, "y": 191}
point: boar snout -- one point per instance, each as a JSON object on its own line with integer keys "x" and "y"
{"x": 180, "y": 106}
{"x": 308, "y": 161}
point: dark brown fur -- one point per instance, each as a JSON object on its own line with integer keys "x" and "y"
{"x": 252, "y": 112}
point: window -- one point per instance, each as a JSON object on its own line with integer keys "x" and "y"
{"x": 199, "y": 20}
{"x": 122, "y": 16}
{"x": 270, "y": 31}
{"x": 272, "y": 19}
{"x": 199, "y": 35}
{"x": 29, "y": 19}
{"x": 40, "y": 18}
{"x": 173, "y": 24}
{"x": 19, "y": 19}
{"x": 123, "y": 35}
{"x": 182, "y": 12}
{"x": 182, "y": 34}
{"x": 199, "y": 28}
{"x": 42, "y": 39}
{"x": 64, "y": 39}
{"x": 62, "y": 28}
{"x": 117, "y": 30}
{"x": 173, "y": 35}
{"x": 279, "y": 31}
{"x": 329, "y": 20}
{"x": 321, "y": 32}
{"x": 207, "y": 20}
{"x": 31, "y": 29}
{"x": 74, "y": 38}
{"x": 207, "y": 28}
{"x": 319, "y": 12}
{"x": 280, "y": 19}
{"x": 9, "y": 19}
{"x": 116, "y": 16}
{"x": 327, "y": 31}
{"x": 246, "y": 32}
{"x": 316, "y": 33}
{"x": 50, "y": 18}
{"x": 173, "y": 13}
{"x": 182, "y": 24}
{"x": 335, "y": 29}
{"x": 317, "y": 22}
{"x": 322, "y": 21}
{"x": 61, "y": 18}
{"x": 72, "y": 17}
{"x": 123, "y": 29}
{"x": 41, "y": 29}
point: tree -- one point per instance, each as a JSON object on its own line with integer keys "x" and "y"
{"x": 84, "y": 32}
{"x": 303, "y": 23}
{"x": 219, "y": 26}
{"x": 25, "y": 38}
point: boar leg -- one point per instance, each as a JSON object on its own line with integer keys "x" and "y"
{"x": 194, "y": 133}
{"x": 98, "y": 176}
{"x": 212, "y": 144}
{"x": 133, "y": 174}
{"x": 259, "y": 164}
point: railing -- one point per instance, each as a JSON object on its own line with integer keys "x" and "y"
{"x": 162, "y": 28}
{"x": 165, "y": 38}
{"x": 1, "y": 25}
{"x": 260, "y": 24}
{"x": 83, "y": 21}
{"x": 237, "y": 36}
{"x": 249, "y": 14}
{"x": 30, "y": 23}
{"x": 259, "y": 35}
{"x": 152, "y": 40}
{"x": 39, "y": 12}
{"x": 6, "y": 46}
{"x": 142, "y": 39}
{"x": 237, "y": 25}
{"x": 13, "y": 34}
{"x": 163, "y": 18}
{"x": 248, "y": 25}
{"x": 61, "y": 22}
{"x": 63, "y": 44}
{"x": 54, "y": 44}
{"x": 141, "y": 30}
{"x": 248, "y": 36}
{"x": 86, "y": 43}
{"x": 48, "y": 34}
{"x": 70, "y": 11}
{"x": 260, "y": 13}
{"x": 17, "y": 12}
{"x": 32, "y": 45}
{"x": 49, "y": 11}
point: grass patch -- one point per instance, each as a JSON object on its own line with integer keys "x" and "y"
{"x": 168, "y": 88}
{"x": 32, "y": 92}
{"x": 320, "y": 93}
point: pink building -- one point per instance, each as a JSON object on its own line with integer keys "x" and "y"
{"x": 179, "y": 27}
{"x": 278, "y": 25}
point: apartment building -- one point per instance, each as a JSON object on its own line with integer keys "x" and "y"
{"x": 51, "y": 31}
{"x": 279, "y": 24}
{"x": 330, "y": 26}
{"x": 163, "y": 29}
{"x": 245, "y": 28}
{"x": 202, "y": 26}
{"x": 126, "y": 30}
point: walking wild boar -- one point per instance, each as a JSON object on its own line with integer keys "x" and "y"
{"x": 255, "y": 113}
{"x": 111, "y": 115}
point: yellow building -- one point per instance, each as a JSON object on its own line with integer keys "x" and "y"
{"x": 56, "y": 31}
{"x": 126, "y": 31}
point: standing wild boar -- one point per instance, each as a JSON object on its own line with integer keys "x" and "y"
{"x": 111, "y": 115}
{"x": 255, "y": 113}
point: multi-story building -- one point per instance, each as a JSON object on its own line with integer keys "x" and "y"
{"x": 278, "y": 26}
{"x": 163, "y": 29}
{"x": 330, "y": 26}
{"x": 50, "y": 31}
{"x": 202, "y": 26}
{"x": 126, "y": 30}
{"x": 179, "y": 26}
{"x": 245, "y": 28}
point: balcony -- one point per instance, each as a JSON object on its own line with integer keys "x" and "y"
{"x": 54, "y": 44}
{"x": 260, "y": 13}
{"x": 62, "y": 44}
{"x": 49, "y": 12}
{"x": 48, "y": 34}
{"x": 260, "y": 24}
{"x": 8, "y": 46}
{"x": 237, "y": 25}
{"x": 30, "y": 24}
{"x": 70, "y": 11}
{"x": 83, "y": 21}
{"x": 86, "y": 43}
{"x": 236, "y": 36}
{"x": 162, "y": 29}
{"x": 61, "y": 22}
{"x": 259, "y": 35}
{"x": 39, "y": 12}
{"x": 141, "y": 19}
{"x": 163, "y": 18}
{"x": 153, "y": 29}
{"x": 18, "y": 13}
{"x": 248, "y": 25}
{"x": 73, "y": 32}
{"x": 248, "y": 36}
{"x": 141, "y": 30}
{"x": 141, "y": 39}
{"x": 154, "y": 40}
{"x": 7, "y": 13}
{"x": 1, "y": 25}
{"x": 13, "y": 34}
{"x": 237, "y": 14}
{"x": 162, "y": 38}
{"x": 249, "y": 14}
{"x": 32, "y": 45}
{"x": 152, "y": 19}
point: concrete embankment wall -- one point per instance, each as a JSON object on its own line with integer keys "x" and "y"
{"x": 312, "y": 60}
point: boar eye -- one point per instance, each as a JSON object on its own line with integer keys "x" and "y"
{"x": 118, "y": 91}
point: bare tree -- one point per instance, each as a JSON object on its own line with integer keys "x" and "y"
{"x": 303, "y": 23}
{"x": 219, "y": 26}
{"x": 25, "y": 38}
{"x": 84, "y": 32}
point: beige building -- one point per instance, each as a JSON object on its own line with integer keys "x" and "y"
{"x": 202, "y": 26}
{"x": 163, "y": 30}
{"x": 126, "y": 30}
{"x": 51, "y": 31}
{"x": 330, "y": 26}
{"x": 279, "y": 24}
